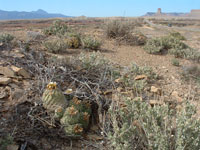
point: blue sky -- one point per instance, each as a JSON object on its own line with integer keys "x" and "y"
{"x": 100, "y": 8}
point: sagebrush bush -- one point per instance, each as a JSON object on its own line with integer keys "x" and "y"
{"x": 191, "y": 72}
{"x": 163, "y": 44}
{"x": 94, "y": 60}
{"x": 138, "y": 125}
{"x": 177, "y": 35}
{"x": 6, "y": 38}
{"x": 171, "y": 45}
{"x": 57, "y": 28}
{"x": 175, "y": 62}
{"x": 34, "y": 36}
{"x": 91, "y": 43}
{"x": 130, "y": 73}
{"x": 55, "y": 45}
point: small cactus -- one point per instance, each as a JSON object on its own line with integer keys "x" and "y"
{"x": 54, "y": 100}
{"x": 76, "y": 117}
{"x": 73, "y": 40}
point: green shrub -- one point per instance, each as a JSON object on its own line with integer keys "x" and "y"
{"x": 129, "y": 75}
{"x": 138, "y": 125}
{"x": 55, "y": 45}
{"x": 175, "y": 62}
{"x": 6, "y": 38}
{"x": 177, "y": 35}
{"x": 94, "y": 60}
{"x": 155, "y": 46}
{"x": 163, "y": 44}
{"x": 191, "y": 72}
{"x": 57, "y": 28}
{"x": 171, "y": 45}
{"x": 91, "y": 43}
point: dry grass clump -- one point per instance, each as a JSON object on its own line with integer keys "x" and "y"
{"x": 123, "y": 32}
{"x": 117, "y": 28}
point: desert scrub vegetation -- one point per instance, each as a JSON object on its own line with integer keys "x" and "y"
{"x": 177, "y": 35}
{"x": 122, "y": 31}
{"x": 173, "y": 46}
{"x": 140, "y": 126}
{"x": 175, "y": 62}
{"x": 57, "y": 28}
{"x": 6, "y": 39}
{"x": 129, "y": 77}
{"x": 91, "y": 43}
{"x": 73, "y": 40}
{"x": 117, "y": 28}
{"x": 55, "y": 45}
{"x": 191, "y": 72}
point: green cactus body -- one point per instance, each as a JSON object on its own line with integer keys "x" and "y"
{"x": 54, "y": 99}
{"x": 73, "y": 130}
{"x": 76, "y": 117}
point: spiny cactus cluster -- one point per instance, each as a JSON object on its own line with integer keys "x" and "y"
{"x": 74, "y": 117}
{"x": 73, "y": 40}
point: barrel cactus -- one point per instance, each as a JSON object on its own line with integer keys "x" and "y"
{"x": 54, "y": 100}
{"x": 73, "y": 40}
{"x": 76, "y": 117}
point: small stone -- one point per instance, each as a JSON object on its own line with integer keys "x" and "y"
{"x": 177, "y": 97}
{"x": 7, "y": 71}
{"x": 140, "y": 77}
{"x": 119, "y": 89}
{"x": 4, "y": 81}
{"x": 20, "y": 71}
{"x": 119, "y": 80}
{"x": 3, "y": 93}
{"x": 156, "y": 90}
{"x": 155, "y": 102}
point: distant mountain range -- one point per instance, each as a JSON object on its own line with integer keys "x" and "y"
{"x": 14, "y": 15}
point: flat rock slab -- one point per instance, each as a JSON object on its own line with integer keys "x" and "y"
{"x": 4, "y": 81}
{"x": 20, "y": 71}
{"x": 6, "y": 71}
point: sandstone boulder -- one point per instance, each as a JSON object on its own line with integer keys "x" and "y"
{"x": 4, "y": 81}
